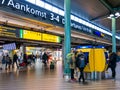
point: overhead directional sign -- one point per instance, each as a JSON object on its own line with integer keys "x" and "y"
{"x": 26, "y": 9}
{"x": 25, "y": 34}
{"x": 9, "y": 31}
{"x": 32, "y": 35}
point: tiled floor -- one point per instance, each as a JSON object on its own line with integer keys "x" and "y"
{"x": 40, "y": 78}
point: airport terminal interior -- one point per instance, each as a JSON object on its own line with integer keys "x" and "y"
{"x": 42, "y": 43}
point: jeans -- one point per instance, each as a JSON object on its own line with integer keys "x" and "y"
{"x": 72, "y": 73}
{"x": 81, "y": 74}
{"x": 113, "y": 72}
{"x": 13, "y": 64}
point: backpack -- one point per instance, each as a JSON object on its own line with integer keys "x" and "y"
{"x": 79, "y": 58}
{"x": 69, "y": 58}
{"x": 71, "y": 61}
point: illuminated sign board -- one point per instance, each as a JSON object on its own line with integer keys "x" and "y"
{"x": 89, "y": 46}
{"x": 9, "y": 31}
{"x": 31, "y": 35}
{"x": 18, "y": 5}
{"x": 50, "y": 38}
{"x": 41, "y": 14}
{"x": 99, "y": 34}
{"x": 11, "y": 46}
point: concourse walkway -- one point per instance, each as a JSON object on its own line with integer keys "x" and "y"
{"x": 40, "y": 78}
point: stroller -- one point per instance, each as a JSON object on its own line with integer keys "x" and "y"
{"x": 22, "y": 65}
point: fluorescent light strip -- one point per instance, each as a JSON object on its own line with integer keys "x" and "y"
{"x": 61, "y": 12}
{"x": 118, "y": 37}
{"x": 48, "y": 6}
{"x": 55, "y": 10}
{"x": 38, "y": 3}
{"x": 32, "y": 1}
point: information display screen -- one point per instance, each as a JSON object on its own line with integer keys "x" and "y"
{"x": 25, "y": 34}
{"x": 50, "y": 38}
{"x": 32, "y": 35}
{"x": 9, "y": 31}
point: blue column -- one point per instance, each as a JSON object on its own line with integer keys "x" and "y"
{"x": 67, "y": 35}
{"x": 113, "y": 34}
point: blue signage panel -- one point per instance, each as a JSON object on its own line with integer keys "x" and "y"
{"x": 97, "y": 33}
{"x": 89, "y": 46}
{"x": 11, "y": 46}
{"x": 29, "y": 10}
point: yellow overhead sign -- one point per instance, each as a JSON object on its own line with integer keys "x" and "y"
{"x": 25, "y": 34}
{"x": 50, "y": 38}
{"x": 31, "y": 35}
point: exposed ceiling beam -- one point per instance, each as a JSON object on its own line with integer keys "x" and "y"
{"x": 100, "y": 17}
{"x": 107, "y": 5}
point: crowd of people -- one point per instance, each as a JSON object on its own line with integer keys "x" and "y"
{"x": 77, "y": 61}
{"x": 19, "y": 60}
{"x": 22, "y": 60}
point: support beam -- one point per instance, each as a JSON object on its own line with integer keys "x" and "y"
{"x": 113, "y": 34}
{"x": 100, "y": 17}
{"x": 106, "y": 5}
{"x": 67, "y": 38}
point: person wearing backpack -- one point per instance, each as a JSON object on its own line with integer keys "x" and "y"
{"x": 81, "y": 63}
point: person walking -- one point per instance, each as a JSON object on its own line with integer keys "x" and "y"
{"x": 45, "y": 58}
{"x": 8, "y": 61}
{"x": 3, "y": 61}
{"x": 81, "y": 63}
{"x": 33, "y": 57}
{"x": 15, "y": 58}
{"x": 112, "y": 63}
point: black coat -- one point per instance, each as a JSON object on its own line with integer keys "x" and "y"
{"x": 112, "y": 60}
{"x": 45, "y": 57}
{"x": 15, "y": 57}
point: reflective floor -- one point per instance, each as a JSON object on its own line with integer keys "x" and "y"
{"x": 40, "y": 78}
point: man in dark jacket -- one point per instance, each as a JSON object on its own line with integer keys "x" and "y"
{"x": 45, "y": 58}
{"x": 112, "y": 63}
{"x": 81, "y": 63}
{"x": 15, "y": 58}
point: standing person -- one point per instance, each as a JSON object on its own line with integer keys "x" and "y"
{"x": 71, "y": 62}
{"x": 8, "y": 61}
{"x": 81, "y": 63}
{"x": 45, "y": 58}
{"x": 76, "y": 53}
{"x": 112, "y": 63}
{"x": 20, "y": 58}
{"x": 33, "y": 57}
{"x": 15, "y": 58}
{"x": 3, "y": 61}
{"x": 25, "y": 58}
